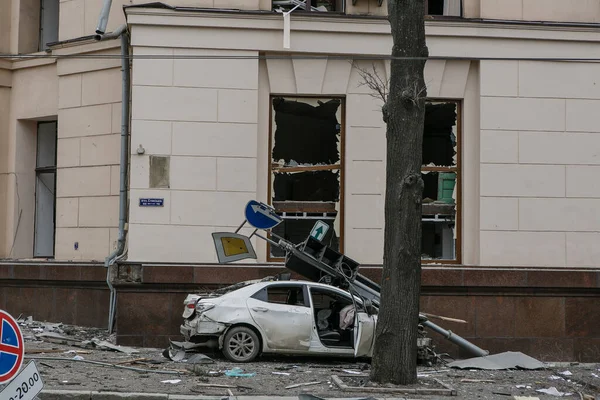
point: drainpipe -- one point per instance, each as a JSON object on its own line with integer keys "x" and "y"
{"x": 119, "y": 252}
{"x": 103, "y": 19}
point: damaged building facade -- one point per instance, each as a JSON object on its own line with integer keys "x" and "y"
{"x": 232, "y": 101}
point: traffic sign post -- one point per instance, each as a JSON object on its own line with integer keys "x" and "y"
{"x": 26, "y": 385}
{"x": 12, "y": 347}
{"x": 319, "y": 231}
{"x": 261, "y": 216}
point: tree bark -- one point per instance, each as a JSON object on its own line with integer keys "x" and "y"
{"x": 395, "y": 353}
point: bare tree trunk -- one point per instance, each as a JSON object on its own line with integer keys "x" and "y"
{"x": 395, "y": 353}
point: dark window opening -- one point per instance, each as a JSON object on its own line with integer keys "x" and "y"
{"x": 45, "y": 190}
{"x": 440, "y": 172}
{"x": 443, "y": 7}
{"x": 49, "y": 11}
{"x": 309, "y": 5}
{"x": 305, "y": 168}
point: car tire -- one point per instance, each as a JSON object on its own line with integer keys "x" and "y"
{"x": 241, "y": 344}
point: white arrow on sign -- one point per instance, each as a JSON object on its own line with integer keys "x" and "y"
{"x": 265, "y": 212}
{"x": 319, "y": 230}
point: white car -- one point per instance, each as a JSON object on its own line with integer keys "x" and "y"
{"x": 285, "y": 317}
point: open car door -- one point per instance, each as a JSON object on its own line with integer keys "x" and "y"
{"x": 364, "y": 334}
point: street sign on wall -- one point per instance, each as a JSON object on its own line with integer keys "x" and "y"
{"x": 12, "y": 347}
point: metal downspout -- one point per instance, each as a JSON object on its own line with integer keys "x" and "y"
{"x": 103, "y": 19}
{"x": 125, "y": 68}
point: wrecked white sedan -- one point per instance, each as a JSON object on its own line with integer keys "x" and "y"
{"x": 285, "y": 317}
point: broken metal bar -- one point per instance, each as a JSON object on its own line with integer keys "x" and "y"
{"x": 274, "y": 243}
{"x": 454, "y": 338}
{"x": 241, "y": 226}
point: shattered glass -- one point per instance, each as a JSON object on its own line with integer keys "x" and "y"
{"x": 306, "y": 167}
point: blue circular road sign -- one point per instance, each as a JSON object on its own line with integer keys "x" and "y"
{"x": 12, "y": 347}
{"x": 261, "y": 216}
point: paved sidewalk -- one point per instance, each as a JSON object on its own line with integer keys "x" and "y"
{"x": 94, "y": 395}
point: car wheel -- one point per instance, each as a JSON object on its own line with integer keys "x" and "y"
{"x": 241, "y": 344}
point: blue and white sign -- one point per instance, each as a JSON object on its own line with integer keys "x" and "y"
{"x": 152, "y": 202}
{"x": 261, "y": 216}
{"x": 319, "y": 231}
{"x": 26, "y": 385}
{"x": 12, "y": 347}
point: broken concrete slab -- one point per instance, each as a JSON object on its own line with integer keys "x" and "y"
{"x": 506, "y": 360}
{"x": 57, "y": 338}
{"x": 104, "y": 345}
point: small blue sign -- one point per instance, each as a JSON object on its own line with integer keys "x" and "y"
{"x": 152, "y": 202}
{"x": 261, "y": 216}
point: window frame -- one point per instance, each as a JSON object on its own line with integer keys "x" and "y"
{"x": 458, "y": 171}
{"x": 341, "y": 167}
{"x": 426, "y": 11}
{"x": 45, "y": 170}
{"x": 305, "y": 293}
{"x": 42, "y": 44}
{"x": 310, "y": 3}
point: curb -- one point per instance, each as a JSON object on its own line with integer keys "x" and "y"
{"x": 95, "y": 395}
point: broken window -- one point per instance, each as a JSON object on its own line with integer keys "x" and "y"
{"x": 290, "y": 295}
{"x": 309, "y": 5}
{"x": 440, "y": 172}
{"x": 443, "y": 7}
{"x": 306, "y": 168}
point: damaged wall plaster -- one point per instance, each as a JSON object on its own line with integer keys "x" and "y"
{"x": 160, "y": 171}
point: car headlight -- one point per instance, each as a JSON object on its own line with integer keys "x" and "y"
{"x": 202, "y": 307}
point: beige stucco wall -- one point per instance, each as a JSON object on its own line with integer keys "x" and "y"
{"x": 541, "y": 10}
{"x": 80, "y": 17}
{"x": 207, "y": 124}
{"x": 510, "y": 195}
{"x": 88, "y": 151}
{"x": 540, "y": 158}
{"x": 5, "y": 89}
{"x": 32, "y": 98}
{"x": 5, "y": 26}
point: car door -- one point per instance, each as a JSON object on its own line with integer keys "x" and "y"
{"x": 364, "y": 333}
{"x": 283, "y": 314}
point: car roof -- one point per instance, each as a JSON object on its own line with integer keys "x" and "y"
{"x": 260, "y": 285}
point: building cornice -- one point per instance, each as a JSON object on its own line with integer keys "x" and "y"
{"x": 318, "y": 22}
{"x": 322, "y": 34}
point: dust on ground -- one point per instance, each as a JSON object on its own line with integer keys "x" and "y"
{"x": 270, "y": 375}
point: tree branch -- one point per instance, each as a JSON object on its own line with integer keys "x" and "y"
{"x": 378, "y": 85}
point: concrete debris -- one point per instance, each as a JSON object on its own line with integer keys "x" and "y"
{"x": 352, "y": 372}
{"x": 506, "y": 360}
{"x": 199, "y": 359}
{"x": 104, "y": 345}
{"x": 553, "y": 392}
{"x": 58, "y": 339}
{"x": 566, "y": 373}
{"x": 303, "y": 384}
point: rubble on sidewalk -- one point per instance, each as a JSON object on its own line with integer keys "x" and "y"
{"x": 108, "y": 371}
